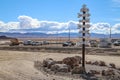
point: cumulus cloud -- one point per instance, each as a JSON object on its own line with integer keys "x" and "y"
{"x": 52, "y": 25}
{"x": 116, "y": 28}
{"x": 102, "y": 28}
{"x": 28, "y": 24}
{"x": 4, "y": 27}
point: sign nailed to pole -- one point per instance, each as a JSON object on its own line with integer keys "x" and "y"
{"x": 83, "y": 27}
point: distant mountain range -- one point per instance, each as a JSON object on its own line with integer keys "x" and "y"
{"x": 43, "y": 35}
{"x": 5, "y": 37}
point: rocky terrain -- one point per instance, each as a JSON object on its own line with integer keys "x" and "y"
{"x": 19, "y": 65}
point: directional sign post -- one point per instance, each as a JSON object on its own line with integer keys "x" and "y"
{"x": 83, "y": 27}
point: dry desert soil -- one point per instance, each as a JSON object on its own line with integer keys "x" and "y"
{"x": 19, "y": 65}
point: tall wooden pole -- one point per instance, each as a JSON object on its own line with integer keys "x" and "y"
{"x": 83, "y": 29}
{"x": 83, "y": 45}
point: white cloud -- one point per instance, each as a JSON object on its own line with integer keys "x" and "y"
{"x": 52, "y": 25}
{"x": 29, "y": 24}
{"x": 102, "y": 28}
{"x": 2, "y": 27}
{"x": 12, "y": 25}
{"x": 7, "y": 26}
{"x": 116, "y": 28}
{"x": 2, "y": 24}
{"x": 57, "y": 26}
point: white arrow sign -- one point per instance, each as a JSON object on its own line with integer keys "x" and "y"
{"x": 83, "y": 15}
{"x": 87, "y": 31}
{"x": 84, "y": 10}
{"x": 83, "y": 26}
{"x": 86, "y": 20}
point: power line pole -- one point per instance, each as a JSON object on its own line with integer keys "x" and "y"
{"x": 83, "y": 27}
{"x": 69, "y": 34}
{"x": 110, "y": 33}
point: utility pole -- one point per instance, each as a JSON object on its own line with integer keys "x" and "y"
{"x": 83, "y": 27}
{"x": 69, "y": 34}
{"x": 110, "y": 33}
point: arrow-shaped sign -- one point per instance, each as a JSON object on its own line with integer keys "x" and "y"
{"x": 83, "y": 15}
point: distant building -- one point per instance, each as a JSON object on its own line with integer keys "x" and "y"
{"x": 105, "y": 43}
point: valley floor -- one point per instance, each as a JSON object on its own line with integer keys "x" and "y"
{"x": 19, "y": 65}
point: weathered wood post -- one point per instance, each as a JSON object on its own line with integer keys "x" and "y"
{"x": 83, "y": 27}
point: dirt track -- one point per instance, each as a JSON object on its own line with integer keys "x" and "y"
{"x": 16, "y": 65}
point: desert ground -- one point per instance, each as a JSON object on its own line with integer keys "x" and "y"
{"x": 19, "y": 65}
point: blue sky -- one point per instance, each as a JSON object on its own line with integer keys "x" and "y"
{"x": 56, "y": 15}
